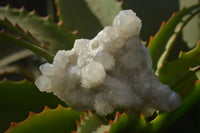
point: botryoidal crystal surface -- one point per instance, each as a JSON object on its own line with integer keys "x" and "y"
{"x": 111, "y": 71}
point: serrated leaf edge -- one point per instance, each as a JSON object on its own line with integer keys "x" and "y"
{"x": 60, "y": 22}
{"x": 170, "y": 43}
{"x": 33, "y": 12}
{"x": 184, "y": 12}
{"x": 85, "y": 116}
{"x": 13, "y": 124}
{"x": 111, "y": 122}
{"x": 162, "y": 71}
{"x": 24, "y": 33}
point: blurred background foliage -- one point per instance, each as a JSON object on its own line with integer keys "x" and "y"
{"x": 152, "y": 13}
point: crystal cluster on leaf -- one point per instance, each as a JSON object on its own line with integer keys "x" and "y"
{"x": 113, "y": 70}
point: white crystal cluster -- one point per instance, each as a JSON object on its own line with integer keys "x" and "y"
{"x": 111, "y": 71}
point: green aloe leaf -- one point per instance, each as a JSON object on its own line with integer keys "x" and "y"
{"x": 18, "y": 98}
{"x": 173, "y": 38}
{"x": 90, "y": 122}
{"x": 182, "y": 76}
{"x": 141, "y": 125}
{"x": 16, "y": 30}
{"x": 176, "y": 68}
{"x": 59, "y": 120}
{"x": 104, "y": 10}
{"x": 185, "y": 78}
{"x": 53, "y": 35}
{"x": 77, "y": 16}
{"x": 36, "y": 49}
{"x": 123, "y": 123}
{"x": 51, "y": 10}
{"x": 167, "y": 34}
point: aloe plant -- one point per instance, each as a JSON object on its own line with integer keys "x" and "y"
{"x": 25, "y": 109}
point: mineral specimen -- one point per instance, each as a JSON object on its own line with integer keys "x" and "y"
{"x": 111, "y": 71}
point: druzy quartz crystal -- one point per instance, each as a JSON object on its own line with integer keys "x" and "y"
{"x": 111, "y": 71}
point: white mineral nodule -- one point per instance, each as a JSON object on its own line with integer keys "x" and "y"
{"x": 92, "y": 75}
{"x": 111, "y": 71}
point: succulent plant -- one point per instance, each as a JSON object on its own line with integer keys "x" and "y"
{"x": 101, "y": 67}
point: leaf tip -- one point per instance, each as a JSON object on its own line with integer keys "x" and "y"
{"x": 22, "y": 8}
{"x": 60, "y": 23}
{"x": 3, "y": 31}
{"x": 116, "y": 116}
{"x": 75, "y": 32}
{"x": 46, "y": 107}
{"x": 3, "y": 80}
{"x": 163, "y": 23}
{"x": 31, "y": 114}
{"x": 173, "y": 14}
{"x": 89, "y": 112}
{"x": 12, "y": 124}
{"x": 110, "y": 122}
{"x": 47, "y": 17}
{"x": 180, "y": 53}
{"x": 27, "y": 31}
{"x": 77, "y": 123}
{"x": 60, "y": 106}
{"x": 183, "y": 8}
{"x": 44, "y": 46}
{"x": 17, "y": 26}
{"x": 85, "y": 115}
{"x": 81, "y": 118}
{"x": 7, "y": 6}
{"x": 19, "y": 38}
{"x": 150, "y": 40}
{"x": 24, "y": 80}
{"x": 33, "y": 12}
